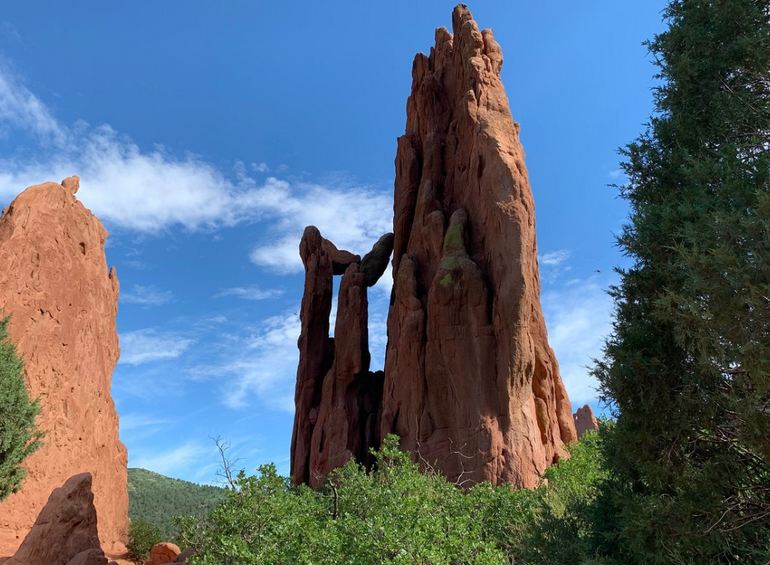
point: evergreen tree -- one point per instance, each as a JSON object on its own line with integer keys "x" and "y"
{"x": 688, "y": 365}
{"x": 18, "y": 435}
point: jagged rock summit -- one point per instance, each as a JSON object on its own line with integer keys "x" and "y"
{"x": 470, "y": 385}
{"x": 62, "y": 299}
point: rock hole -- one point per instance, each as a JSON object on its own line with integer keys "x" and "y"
{"x": 83, "y": 247}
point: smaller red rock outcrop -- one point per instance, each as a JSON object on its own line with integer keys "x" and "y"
{"x": 337, "y": 397}
{"x": 585, "y": 420}
{"x": 163, "y": 553}
{"x": 65, "y": 531}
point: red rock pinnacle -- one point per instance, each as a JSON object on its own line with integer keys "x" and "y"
{"x": 62, "y": 300}
{"x": 471, "y": 385}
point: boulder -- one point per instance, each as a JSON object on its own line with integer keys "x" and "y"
{"x": 62, "y": 299}
{"x": 163, "y": 553}
{"x": 65, "y": 532}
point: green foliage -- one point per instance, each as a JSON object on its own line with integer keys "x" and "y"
{"x": 142, "y": 535}
{"x": 157, "y": 500}
{"x": 397, "y": 514}
{"x": 18, "y": 435}
{"x": 688, "y": 366}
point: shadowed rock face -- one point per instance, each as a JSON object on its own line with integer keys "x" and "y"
{"x": 337, "y": 397}
{"x": 65, "y": 531}
{"x": 471, "y": 385}
{"x": 62, "y": 299}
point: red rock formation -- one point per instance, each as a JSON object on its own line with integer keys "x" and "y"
{"x": 62, "y": 299}
{"x": 585, "y": 420}
{"x": 65, "y": 531}
{"x": 163, "y": 553}
{"x": 471, "y": 385}
{"x": 470, "y": 380}
{"x": 337, "y": 397}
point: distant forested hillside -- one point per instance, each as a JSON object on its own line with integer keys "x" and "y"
{"x": 157, "y": 499}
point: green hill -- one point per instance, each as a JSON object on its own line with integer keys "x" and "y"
{"x": 157, "y": 499}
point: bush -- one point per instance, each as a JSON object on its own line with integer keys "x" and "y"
{"x": 142, "y": 535}
{"x": 18, "y": 435}
{"x": 397, "y": 513}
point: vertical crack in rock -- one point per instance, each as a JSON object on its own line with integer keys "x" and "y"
{"x": 471, "y": 385}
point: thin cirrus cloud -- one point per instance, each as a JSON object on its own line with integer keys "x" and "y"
{"x": 261, "y": 364}
{"x": 252, "y": 292}
{"x": 579, "y": 319}
{"x": 146, "y": 295}
{"x": 152, "y": 190}
{"x": 149, "y": 345}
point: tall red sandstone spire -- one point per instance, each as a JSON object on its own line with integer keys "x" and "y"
{"x": 471, "y": 385}
{"x": 62, "y": 299}
{"x": 470, "y": 380}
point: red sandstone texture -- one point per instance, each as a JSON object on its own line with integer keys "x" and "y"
{"x": 65, "y": 531}
{"x": 585, "y": 420}
{"x": 62, "y": 299}
{"x": 471, "y": 384}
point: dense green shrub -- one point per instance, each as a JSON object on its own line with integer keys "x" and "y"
{"x": 18, "y": 435}
{"x": 688, "y": 365}
{"x": 142, "y": 535}
{"x": 397, "y": 513}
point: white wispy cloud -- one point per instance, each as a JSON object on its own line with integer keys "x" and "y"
{"x": 554, "y": 258}
{"x": 130, "y": 422}
{"x": 153, "y": 190}
{"x": 20, "y": 109}
{"x": 146, "y": 295}
{"x": 262, "y": 364}
{"x": 353, "y": 218}
{"x": 579, "y": 318}
{"x": 175, "y": 461}
{"x": 149, "y": 345}
{"x": 252, "y": 292}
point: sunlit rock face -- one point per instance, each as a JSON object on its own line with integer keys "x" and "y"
{"x": 471, "y": 384}
{"x": 62, "y": 299}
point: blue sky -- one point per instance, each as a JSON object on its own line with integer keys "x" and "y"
{"x": 207, "y": 135}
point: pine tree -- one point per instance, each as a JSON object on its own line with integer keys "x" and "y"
{"x": 687, "y": 368}
{"x": 18, "y": 435}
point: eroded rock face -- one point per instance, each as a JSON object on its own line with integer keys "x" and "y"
{"x": 471, "y": 384}
{"x": 585, "y": 420}
{"x": 65, "y": 531}
{"x": 337, "y": 397}
{"x": 62, "y": 299}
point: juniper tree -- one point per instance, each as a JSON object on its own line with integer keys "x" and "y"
{"x": 688, "y": 365}
{"x": 18, "y": 435}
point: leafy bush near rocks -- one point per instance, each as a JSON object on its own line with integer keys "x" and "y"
{"x": 142, "y": 535}
{"x": 397, "y": 513}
